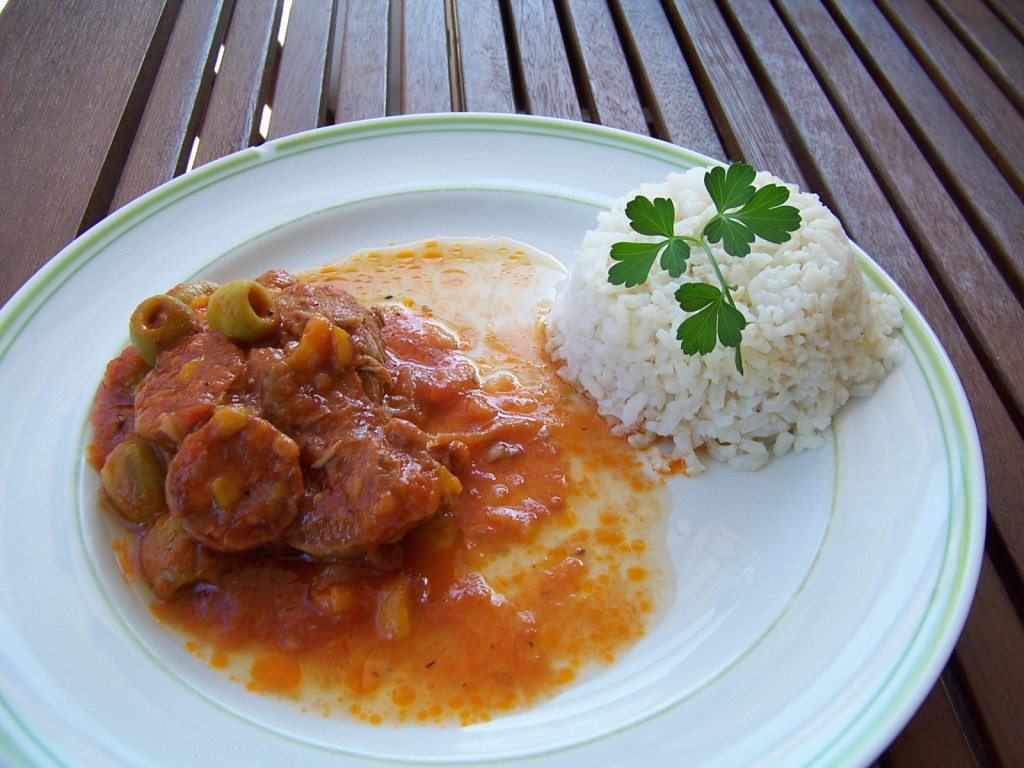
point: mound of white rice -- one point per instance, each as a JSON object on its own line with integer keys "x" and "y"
{"x": 817, "y": 333}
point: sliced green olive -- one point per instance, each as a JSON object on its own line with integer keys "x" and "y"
{"x": 133, "y": 478}
{"x": 244, "y": 310}
{"x": 170, "y": 559}
{"x": 157, "y": 323}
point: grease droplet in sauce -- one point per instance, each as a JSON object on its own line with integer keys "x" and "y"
{"x": 551, "y": 566}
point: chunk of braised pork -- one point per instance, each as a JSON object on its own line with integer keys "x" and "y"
{"x": 299, "y": 302}
{"x": 189, "y": 381}
{"x": 113, "y": 415}
{"x": 236, "y": 482}
{"x": 370, "y": 478}
{"x": 378, "y": 480}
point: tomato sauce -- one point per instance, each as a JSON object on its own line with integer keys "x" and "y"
{"x": 548, "y": 567}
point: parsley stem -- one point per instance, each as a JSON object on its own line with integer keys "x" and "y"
{"x": 725, "y": 290}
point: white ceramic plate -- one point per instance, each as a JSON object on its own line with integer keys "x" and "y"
{"x": 816, "y": 601}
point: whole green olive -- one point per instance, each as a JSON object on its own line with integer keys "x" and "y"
{"x": 243, "y": 309}
{"x": 133, "y": 478}
{"x": 157, "y": 323}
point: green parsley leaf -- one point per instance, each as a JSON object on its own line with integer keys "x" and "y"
{"x": 761, "y": 211}
{"x": 634, "y": 262}
{"x": 730, "y": 188}
{"x": 767, "y": 217}
{"x": 725, "y": 322}
{"x": 652, "y": 217}
{"x": 743, "y": 213}
{"x": 698, "y": 334}
{"x": 673, "y": 260}
{"x": 693, "y": 297}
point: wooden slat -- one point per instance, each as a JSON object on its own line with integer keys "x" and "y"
{"x": 363, "y": 72}
{"x": 980, "y": 103}
{"x": 544, "y": 65}
{"x": 64, "y": 101}
{"x": 163, "y": 141}
{"x": 426, "y": 80}
{"x": 991, "y": 41}
{"x": 964, "y": 263}
{"x": 744, "y": 119}
{"x": 1011, "y": 12}
{"x": 232, "y": 119}
{"x": 485, "y": 78}
{"x": 299, "y": 97}
{"x": 949, "y": 245}
{"x": 996, "y": 208}
{"x": 677, "y": 109}
{"x": 990, "y": 653}
{"x": 611, "y": 94}
{"x": 932, "y": 738}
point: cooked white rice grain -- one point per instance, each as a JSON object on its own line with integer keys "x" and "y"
{"x": 818, "y": 332}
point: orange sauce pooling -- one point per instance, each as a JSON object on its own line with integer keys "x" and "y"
{"x": 549, "y": 567}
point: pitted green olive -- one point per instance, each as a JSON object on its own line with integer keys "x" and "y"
{"x": 157, "y": 323}
{"x": 133, "y": 478}
{"x": 244, "y": 310}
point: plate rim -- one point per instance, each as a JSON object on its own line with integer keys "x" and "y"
{"x": 47, "y": 281}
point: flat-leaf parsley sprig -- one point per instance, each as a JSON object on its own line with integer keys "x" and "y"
{"x": 743, "y": 212}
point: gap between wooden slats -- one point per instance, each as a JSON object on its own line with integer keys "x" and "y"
{"x": 541, "y": 65}
{"x": 298, "y": 98}
{"x": 485, "y": 78}
{"x": 933, "y": 223}
{"x": 602, "y": 70}
{"x": 232, "y": 118}
{"x": 744, "y": 118}
{"x": 120, "y": 147}
{"x": 675, "y": 106}
{"x": 161, "y": 146}
{"x": 1011, "y": 12}
{"x": 991, "y": 40}
{"x": 994, "y": 208}
{"x": 981, "y": 104}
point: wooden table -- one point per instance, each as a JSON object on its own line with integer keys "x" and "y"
{"x": 906, "y": 116}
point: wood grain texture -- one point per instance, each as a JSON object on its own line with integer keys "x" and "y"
{"x": 240, "y": 86}
{"x": 976, "y": 98}
{"x": 426, "y": 78}
{"x": 298, "y": 100}
{"x": 68, "y": 79}
{"x": 163, "y": 141}
{"x": 677, "y": 109}
{"x": 932, "y": 738}
{"x": 363, "y": 71}
{"x": 989, "y": 653}
{"x": 485, "y": 81}
{"x": 995, "y": 209}
{"x": 965, "y": 279}
{"x": 611, "y": 94}
{"x": 548, "y": 85}
{"x": 736, "y": 100}
{"x": 991, "y": 41}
